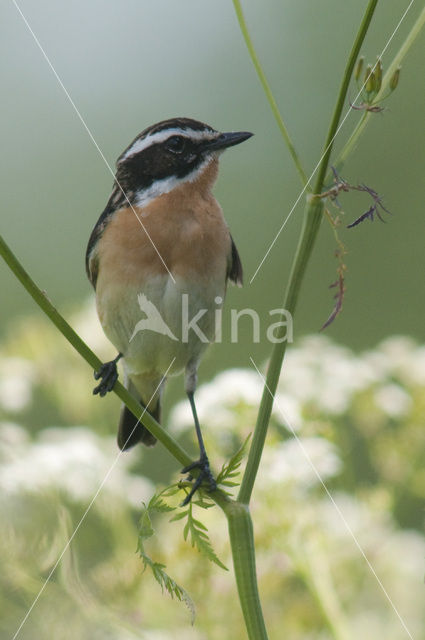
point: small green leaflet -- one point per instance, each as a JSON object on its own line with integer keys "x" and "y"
{"x": 198, "y": 535}
{"x": 167, "y": 583}
{"x": 230, "y": 470}
{"x": 158, "y": 505}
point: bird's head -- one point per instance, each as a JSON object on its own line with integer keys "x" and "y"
{"x": 168, "y": 154}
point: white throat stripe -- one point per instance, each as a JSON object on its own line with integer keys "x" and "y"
{"x": 160, "y": 187}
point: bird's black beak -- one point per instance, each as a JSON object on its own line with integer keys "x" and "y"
{"x": 225, "y": 140}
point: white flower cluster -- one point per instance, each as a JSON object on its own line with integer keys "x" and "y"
{"x": 73, "y": 460}
{"x": 328, "y": 376}
{"x": 216, "y": 401}
{"x": 319, "y": 373}
{"x": 16, "y": 379}
{"x": 302, "y": 462}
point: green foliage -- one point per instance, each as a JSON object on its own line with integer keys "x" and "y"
{"x": 157, "y": 505}
{"x": 198, "y": 531}
{"x": 231, "y": 469}
{"x": 198, "y": 535}
{"x": 193, "y": 529}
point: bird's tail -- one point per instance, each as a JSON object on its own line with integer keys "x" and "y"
{"x": 130, "y": 430}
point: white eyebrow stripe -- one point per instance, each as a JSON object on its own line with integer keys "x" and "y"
{"x": 161, "y": 136}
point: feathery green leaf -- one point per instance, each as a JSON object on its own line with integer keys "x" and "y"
{"x": 157, "y": 505}
{"x": 231, "y": 468}
{"x": 199, "y": 538}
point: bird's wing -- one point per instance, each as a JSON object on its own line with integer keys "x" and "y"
{"x": 235, "y": 271}
{"x": 92, "y": 264}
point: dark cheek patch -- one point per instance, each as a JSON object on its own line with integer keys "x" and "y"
{"x": 156, "y": 163}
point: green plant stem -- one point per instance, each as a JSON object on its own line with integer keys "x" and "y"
{"x": 268, "y": 92}
{"x": 243, "y": 554}
{"x": 308, "y": 236}
{"x": 364, "y": 121}
{"x": 354, "y": 53}
{"x": 91, "y": 358}
{"x": 311, "y": 224}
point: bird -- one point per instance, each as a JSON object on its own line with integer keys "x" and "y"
{"x": 162, "y": 244}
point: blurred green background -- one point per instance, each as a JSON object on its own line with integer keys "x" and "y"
{"x": 130, "y": 64}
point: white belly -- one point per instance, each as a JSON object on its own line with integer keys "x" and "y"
{"x": 149, "y": 325}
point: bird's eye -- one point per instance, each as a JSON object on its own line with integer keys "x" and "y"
{"x": 176, "y": 144}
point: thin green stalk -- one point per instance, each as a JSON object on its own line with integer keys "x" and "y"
{"x": 91, "y": 358}
{"x": 308, "y": 236}
{"x": 312, "y": 220}
{"x": 354, "y": 53}
{"x": 364, "y": 121}
{"x": 268, "y": 92}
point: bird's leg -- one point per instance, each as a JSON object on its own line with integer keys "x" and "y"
{"x": 203, "y": 463}
{"x": 108, "y": 376}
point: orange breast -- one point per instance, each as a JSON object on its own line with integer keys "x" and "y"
{"x": 184, "y": 229}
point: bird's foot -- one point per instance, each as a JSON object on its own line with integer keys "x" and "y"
{"x": 108, "y": 375}
{"x": 204, "y": 474}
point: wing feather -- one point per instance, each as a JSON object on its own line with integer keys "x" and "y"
{"x": 235, "y": 271}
